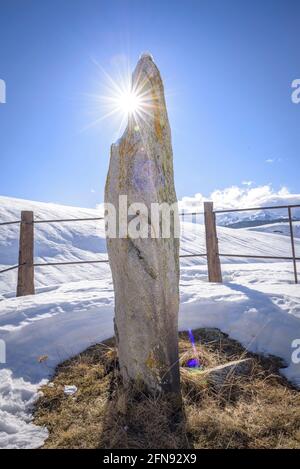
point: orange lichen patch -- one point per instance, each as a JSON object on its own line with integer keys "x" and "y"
{"x": 151, "y": 362}
{"x": 158, "y": 127}
{"x": 127, "y": 148}
{"x": 157, "y": 115}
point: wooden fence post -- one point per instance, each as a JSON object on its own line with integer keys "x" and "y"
{"x": 26, "y": 247}
{"x": 293, "y": 244}
{"x": 212, "y": 249}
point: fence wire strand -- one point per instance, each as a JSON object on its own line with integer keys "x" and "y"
{"x": 11, "y": 268}
{"x": 10, "y": 222}
{"x": 183, "y": 214}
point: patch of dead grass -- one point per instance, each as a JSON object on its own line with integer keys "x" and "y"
{"x": 260, "y": 410}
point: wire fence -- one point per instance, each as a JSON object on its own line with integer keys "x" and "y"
{"x": 289, "y": 208}
{"x": 212, "y": 251}
{"x": 62, "y": 220}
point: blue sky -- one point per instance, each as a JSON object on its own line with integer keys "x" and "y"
{"x": 227, "y": 66}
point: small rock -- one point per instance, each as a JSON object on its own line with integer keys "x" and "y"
{"x": 69, "y": 390}
{"x": 42, "y": 358}
{"x": 218, "y": 375}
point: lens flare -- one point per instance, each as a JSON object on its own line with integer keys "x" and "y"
{"x": 193, "y": 362}
{"x": 130, "y": 103}
{"x": 119, "y": 99}
{"x": 126, "y": 102}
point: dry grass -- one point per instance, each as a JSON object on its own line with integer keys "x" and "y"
{"x": 257, "y": 411}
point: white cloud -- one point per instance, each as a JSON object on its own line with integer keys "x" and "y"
{"x": 270, "y": 160}
{"x": 235, "y": 197}
{"x": 244, "y": 197}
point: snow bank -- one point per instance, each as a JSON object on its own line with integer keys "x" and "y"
{"x": 279, "y": 228}
{"x": 16, "y": 400}
{"x": 257, "y": 305}
{"x": 60, "y": 323}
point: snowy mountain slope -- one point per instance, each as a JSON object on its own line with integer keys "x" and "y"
{"x": 53, "y": 242}
{"x": 255, "y": 217}
{"x": 278, "y": 228}
{"x": 244, "y": 197}
{"x": 79, "y": 241}
{"x": 235, "y": 241}
{"x": 257, "y": 304}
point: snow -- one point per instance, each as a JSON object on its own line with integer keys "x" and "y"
{"x": 258, "y": 304}
{"x": 16, "y": 400}
{"x": 279, "y": 228}
{"x": 72, "y": 241}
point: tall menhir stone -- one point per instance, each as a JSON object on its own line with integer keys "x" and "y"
{"x": 145, "y": 270}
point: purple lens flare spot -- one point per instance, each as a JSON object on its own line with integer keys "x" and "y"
{"x": 193, "y": 362}
{"x": 191, "y": 336}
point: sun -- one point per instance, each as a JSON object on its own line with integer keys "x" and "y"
{"x": 119, "y": 99}
{"x": 130, "y": 103}
{"x": 124, "y": 101}
{"x": 127, "y": 100}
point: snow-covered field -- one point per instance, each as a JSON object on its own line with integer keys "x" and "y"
{"x": 279, "y": 228}
{"x": 257, "y": 304}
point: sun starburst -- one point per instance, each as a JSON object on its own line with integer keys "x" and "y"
{"x": 121, "y": 99}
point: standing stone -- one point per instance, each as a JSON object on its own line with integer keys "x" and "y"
{"x": 145, "y": 270}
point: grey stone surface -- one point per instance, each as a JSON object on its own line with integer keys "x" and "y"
{"x": 221, "y": 374}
